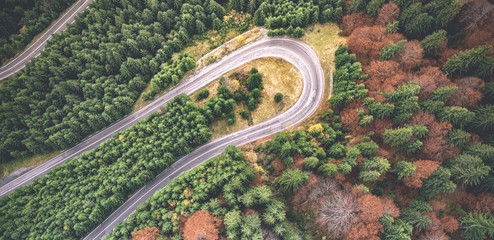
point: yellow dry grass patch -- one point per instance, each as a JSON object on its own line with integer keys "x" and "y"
{"x": 324, "y": 39}
{"x": 233, "y": 41}
{"x": 9, "y": 167}
{"x": 198, "y": 49}
{"x": 278, "y": 76}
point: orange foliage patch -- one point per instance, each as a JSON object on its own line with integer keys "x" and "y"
{"x": 365, "y": 231}
{"x": 439, "y": 226}
{"x": 422, "y": 118}
{"x": 449, "y": 223}
{"x": 202, "y": 225}
{"x": 371, "y": 207}
{"x": 436, "y": 145}
{"x": 249, "y": 211}
{"x": 437, "y": 205}
{"x": 388, "y": 13}
{"x": 411, "y": 55}
{"x": 389, "y": 207}
{"x": 369, "y": 227}
{"x": 147, "y": 233}
{"x": 258, "y": 180}
{"x": 379, "y": 126}
{"x": 485, "y": 203}
{"x": 429, "y": 79}
{"x": 468, "y": 93}
{"x": 478, "y": 38}
{"x": 384, "y": 76}
{"x": 355, "y": 20}
{"x": 423, "y": 169}
{"x": 368, "y": 41}
{"x": 350, "y": 118}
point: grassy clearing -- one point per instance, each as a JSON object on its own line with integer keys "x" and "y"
{"x": 9, "y": 167}
{"x": 278, "y": 76}
{"x": 324, "y": 39}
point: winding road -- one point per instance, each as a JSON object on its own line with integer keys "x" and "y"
{"x": 296, "y": 52}
{"x": 35, "y": 49}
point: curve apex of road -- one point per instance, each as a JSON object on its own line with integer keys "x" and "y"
{"x": 295, "y": 52}
{"x": 37, "y": 47}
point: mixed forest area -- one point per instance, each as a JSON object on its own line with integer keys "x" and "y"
{"x": 403, "y": 149}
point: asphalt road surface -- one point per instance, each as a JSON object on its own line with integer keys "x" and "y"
{"x": 296, "y": 52}
{"x": 293, "y": 51}
{"x": 35, "y": 49}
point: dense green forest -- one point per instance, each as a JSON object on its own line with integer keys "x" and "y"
{"x": 404, "y": 148}
{"x": 82, "y": 192}
{"x": 91, "y": 74}
{"x": 221, "y": 188}
{"x": 109, "y": 55}
{"x": 24, "y": 19}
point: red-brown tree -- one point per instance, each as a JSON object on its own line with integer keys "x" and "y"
{"x": 388, "y": 13}
{"x": 369, "y": 226}
{"x": 383, "y": 77}
{"x": 469, "y": 92}
{"x": 411, "y": 55}
{"x": 355, "y": 20}
{"x": 147, "y": 233}
{"x": 429, "y": 79}
{"x": 389, "y": 207}
{"x": 368, "y": 41}
{"x": 436, "y": 145}
{"x": 202, "y": 225}
{"x": 379, "y": 126}
{"x": 350, "y": 118}
{"x": 423, "y": 170}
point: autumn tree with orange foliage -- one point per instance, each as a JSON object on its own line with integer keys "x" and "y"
{"x": 202, "y": 225}
{"x": 147, "y": 233}
{"x": 379, "y": 126}
{"x": 384, "y": 76}
{"x": 369, "y": 226}
{"x": 350, "y": 118}
{"x": 368, "y": 41}
{"x": 429, "y": 79}
{"x": 411, "y": 55}
{"x": 469, "y": 92}
{"x": 355, "y": 20}
{"x": 388, "y": 13}
{"x": 439, "y": 227}
{"x": 389, "y": 207}
{"x": 371, "y": 207}
{"x": 436, "y": 144}
{"x": 423, "y": 170}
